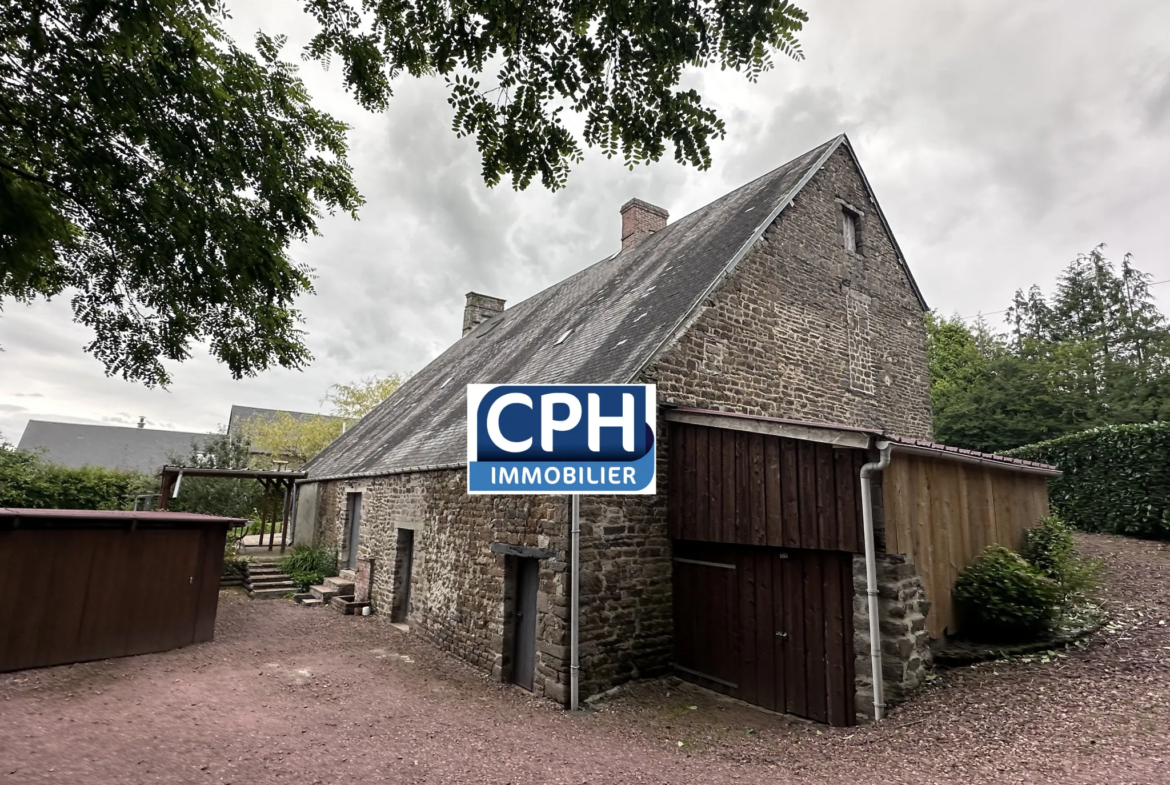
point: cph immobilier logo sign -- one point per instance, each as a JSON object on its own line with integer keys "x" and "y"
{"x": 561, "y": 438}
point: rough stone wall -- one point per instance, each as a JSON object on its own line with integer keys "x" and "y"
{"x": 457, "y": 583}
{"x": 626, "y": 626}
{"x": 805, "y": 329}
{"x": 902, "y": 610}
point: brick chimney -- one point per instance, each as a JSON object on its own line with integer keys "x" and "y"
{"x": 640, "y": 219}
{"x": 479, "y": 309}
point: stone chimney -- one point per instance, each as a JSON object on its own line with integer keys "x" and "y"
{"x": 640, "y": 219}
{"x": 479, "y": 309}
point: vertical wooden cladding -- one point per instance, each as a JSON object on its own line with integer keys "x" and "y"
{"x": 770, "y": 627}
{"x": 88, "y": 594}
{"x": 943, "y": 513}
{"x": 754, "y": 489}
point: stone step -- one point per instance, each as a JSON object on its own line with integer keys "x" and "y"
{"x": 312, "y": 602}
{"x": 270, "y": 594}
{"x": 324, "y": 593}
{"x": 340, "y": 584}
{"x": 288, "y": 585}
{"x": 347, "y": 575}
{"x": 276, "y": 577}
{"x": 266, "y": 570}
{"x": 346, "y": 605}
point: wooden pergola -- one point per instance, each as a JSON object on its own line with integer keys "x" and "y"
{"x": 278, "y": 493}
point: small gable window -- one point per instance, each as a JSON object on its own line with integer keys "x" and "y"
{"x": 849, "y": 226}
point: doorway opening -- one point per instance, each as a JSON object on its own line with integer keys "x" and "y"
{"x": 526, "y": 579}
{"x": 403, "y": 567}
{"x": 353, "y": 523}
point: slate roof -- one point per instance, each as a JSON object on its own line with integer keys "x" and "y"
{"x": 614, "y": 317}
{"x": 243, "y": 414}
{"x": 110, "y": 446}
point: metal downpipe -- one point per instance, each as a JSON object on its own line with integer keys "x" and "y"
{"x": 871, "y": 589}
{"x": 575, "y": 594}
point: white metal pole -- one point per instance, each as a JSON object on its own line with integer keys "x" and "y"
{"x": 575, "y": 609}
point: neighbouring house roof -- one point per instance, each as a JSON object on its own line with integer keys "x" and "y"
{"x": 109, "y": 446}
{"x": 242, "y": 415}
{"x": 602, "y": 325}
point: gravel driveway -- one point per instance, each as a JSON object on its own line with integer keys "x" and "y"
{"x": 296, "y": 695}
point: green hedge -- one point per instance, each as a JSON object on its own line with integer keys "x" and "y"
{"x": 1116, "y": 478}
{"x": 26, "y": 480}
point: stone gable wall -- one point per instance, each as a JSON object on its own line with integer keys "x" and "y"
{"x": 806, "y": 330}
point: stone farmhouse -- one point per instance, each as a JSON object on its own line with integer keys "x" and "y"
{"x": 784, "y": 331}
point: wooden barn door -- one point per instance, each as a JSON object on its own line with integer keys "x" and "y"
{"x": 770, "y": 627}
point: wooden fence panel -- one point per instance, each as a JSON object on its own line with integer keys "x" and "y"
{"x": 942, "y": 514}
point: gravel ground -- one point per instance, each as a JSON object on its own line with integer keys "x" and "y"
{"x": 297, "y": 695}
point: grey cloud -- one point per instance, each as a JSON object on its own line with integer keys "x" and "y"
{"x": 1001, "y": 139}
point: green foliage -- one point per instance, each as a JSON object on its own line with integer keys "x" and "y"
{"x": 357, "y": 399}
{"x": 308, "y": 566}
{"x": 1116, "y": 479}
{"x": 214, "y": 495}
{"x": 1096, "y": 353}
{"x": 294, "y": 440}
{"x": 1050, "y": 548}
{"x": 233, "y": 562}
{"x": 27, "y": 480}
{"x": 1003, "y": 599}
{"x": 160, "y": 173}
{"x": 618, "y": 63}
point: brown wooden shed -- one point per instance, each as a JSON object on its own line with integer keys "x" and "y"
{"x": 96, "y": 584}
{"x": 765, "y": 518}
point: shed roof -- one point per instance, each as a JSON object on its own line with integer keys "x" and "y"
{"x": 600, "y": 326}
{"x": 114, "y": 516}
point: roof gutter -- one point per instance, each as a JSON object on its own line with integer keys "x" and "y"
{"x": 438, "y": 467}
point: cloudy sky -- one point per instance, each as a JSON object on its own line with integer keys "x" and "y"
{"x": 1002, "y": 138}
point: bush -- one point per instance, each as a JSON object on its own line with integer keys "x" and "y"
{"x": 28, "y": 480}
{"x": 1049, "y": 547}
{"x": 1116, "y": 478}
{"x": 1002, "y": 599}
{"x": 308, "y": 566}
